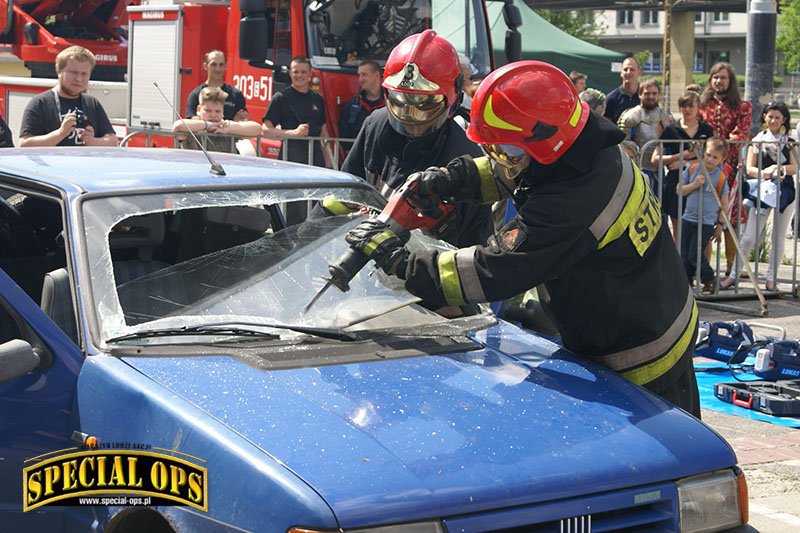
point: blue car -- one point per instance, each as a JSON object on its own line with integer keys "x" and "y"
{"x": 158, "y": 372}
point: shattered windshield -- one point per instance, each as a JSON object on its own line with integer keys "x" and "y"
{"x": 246, "y": 257}
{"x": 345, "y": 32}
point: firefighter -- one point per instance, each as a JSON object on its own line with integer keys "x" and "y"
{"x": 588, "y": 228}
{"x": 422, "y": 81}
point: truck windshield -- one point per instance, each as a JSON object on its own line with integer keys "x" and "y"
{"x": 341, "y": 33}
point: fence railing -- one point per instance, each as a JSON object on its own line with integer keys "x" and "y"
{"x": 331, "y": 146}
{"x": 764, "y": 249}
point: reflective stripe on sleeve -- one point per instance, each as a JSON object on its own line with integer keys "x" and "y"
{"x": 374, "y": 242}
{"x": 448, "y": 277}
{"x": 630, "y": 211}
{"x": 489, "y": 190}
{"x": 619, "y": 199}
{"x": 658, "y": 355}
{"x": 468, "y": 274}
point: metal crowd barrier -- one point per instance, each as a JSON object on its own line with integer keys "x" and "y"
{"x": 698, "y": 147}
{"x": 331, "y": 145}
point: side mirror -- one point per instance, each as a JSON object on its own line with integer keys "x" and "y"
{"x": 17, "y": 358}
{"x": 513, "y": 19}
{"x": 255, "y": 31}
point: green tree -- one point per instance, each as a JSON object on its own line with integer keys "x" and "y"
{"x": 788, "y": 41}
{"x": 580, "y": 24}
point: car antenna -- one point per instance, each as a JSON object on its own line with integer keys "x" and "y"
{"x": 216, "y": 168}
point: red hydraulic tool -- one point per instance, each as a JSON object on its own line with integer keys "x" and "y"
{"x": 405, "y": 211}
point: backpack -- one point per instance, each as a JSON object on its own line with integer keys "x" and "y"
{"x": 720, "y": 182}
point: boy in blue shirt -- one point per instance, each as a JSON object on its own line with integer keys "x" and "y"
{"x": 702, "y": 217}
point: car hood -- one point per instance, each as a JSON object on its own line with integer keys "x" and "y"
{"x": 514, "y": 421}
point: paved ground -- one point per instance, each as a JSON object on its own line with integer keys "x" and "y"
{"x": 768, "y": 454}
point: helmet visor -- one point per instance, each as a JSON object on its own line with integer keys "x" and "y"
{"x": 414, "y": 108}
{"x": 511, "y": 159}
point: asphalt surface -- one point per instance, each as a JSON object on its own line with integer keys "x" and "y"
{"x": 769, "y": 454}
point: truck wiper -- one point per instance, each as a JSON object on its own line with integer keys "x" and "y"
{"x": 238, "y": 328}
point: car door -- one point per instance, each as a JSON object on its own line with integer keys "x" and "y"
{"x": 36, "y": 405}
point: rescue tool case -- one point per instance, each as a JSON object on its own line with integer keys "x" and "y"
{"x": 779, "y": 398}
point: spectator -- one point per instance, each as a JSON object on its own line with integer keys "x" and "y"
{"x": 66, "y": 115}
{"x": 729, "y": 116}
{"x": 369, "y": 98}
{"x": 698, "y": 232}
{"x": 467, "y": 71}
{"x": 596, "y": 100}
{"x": 209, "y": 113}
{"x": 6, "y": 139}
{"x": 777, "y": 163}
{"x": 295, "y": 112}
{"x": 688, "y": 128}
{"x": 626, "y": 95}
{"x": 578, "y": 80}
{"x": 214, "y": 64}
{"x": 643, "y": 123}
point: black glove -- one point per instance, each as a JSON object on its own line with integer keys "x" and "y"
{"x": 374, "y": 239}
{"x": 450, "y": 182}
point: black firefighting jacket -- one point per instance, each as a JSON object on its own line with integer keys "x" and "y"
{"x": 589, "y": 229}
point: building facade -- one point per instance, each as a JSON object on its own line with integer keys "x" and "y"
{"x": 719, "y": 36}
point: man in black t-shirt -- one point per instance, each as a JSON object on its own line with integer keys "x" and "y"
{"x": 235, "y": 106}
{"x": 65, "y": 115}
{"x": 297, "y": 111}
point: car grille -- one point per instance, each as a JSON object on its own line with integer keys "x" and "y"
{"x": 651, "y": 508}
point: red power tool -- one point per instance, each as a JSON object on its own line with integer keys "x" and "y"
{"x": 405, "y": 211}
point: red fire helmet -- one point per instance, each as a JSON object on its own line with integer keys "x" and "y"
{"x": 422, "y": 81}
{"x": 530, "y": 105}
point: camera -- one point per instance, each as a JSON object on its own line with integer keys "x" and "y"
{"x": 81, "y": 120}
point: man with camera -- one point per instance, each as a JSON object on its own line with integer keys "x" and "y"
{"x": 65, "y": 115}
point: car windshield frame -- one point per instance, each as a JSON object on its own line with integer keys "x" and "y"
{"x": 300, "y": 273}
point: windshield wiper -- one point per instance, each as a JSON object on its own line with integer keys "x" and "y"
{"x": 235, "y": 328}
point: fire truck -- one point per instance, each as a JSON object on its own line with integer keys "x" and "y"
{"x": 161, "y": 44}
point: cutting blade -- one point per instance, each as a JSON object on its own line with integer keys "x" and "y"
{"x": 317, "y": 296}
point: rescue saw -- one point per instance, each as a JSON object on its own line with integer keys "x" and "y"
{"x": 406, "y": 210}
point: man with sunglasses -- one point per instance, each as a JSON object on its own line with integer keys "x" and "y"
{"x": 416, "y": 129}
{"x": 588, "y": 228}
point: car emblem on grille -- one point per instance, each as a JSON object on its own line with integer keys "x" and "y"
{"x": 577, "y": 524}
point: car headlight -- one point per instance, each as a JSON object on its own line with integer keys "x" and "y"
{"x": 414, "y": 527}
{"x": 713, "y": 502}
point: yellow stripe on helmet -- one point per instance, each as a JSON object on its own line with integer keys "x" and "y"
{"x": 493, "y": 120}
{"x": 576, "y": 114}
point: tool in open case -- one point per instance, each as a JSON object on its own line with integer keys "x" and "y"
{"x": 733, "y": 342}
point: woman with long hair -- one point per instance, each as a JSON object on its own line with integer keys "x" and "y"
{"x": 770, "y": 159}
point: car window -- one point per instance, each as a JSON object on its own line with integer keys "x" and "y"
{"x": 229, "y": 256}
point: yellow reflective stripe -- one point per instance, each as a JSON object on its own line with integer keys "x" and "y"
{"x": 659, "y": 367}
{"x": 448, "y": 277}
{"x": 374, "y": 242}
{"x": 334, "y": 206}
{"x": 489, "y": 191}
{"x": 495, "y": 121}
{"x": 576, "y": 114}
{"x": 629, "y": 212}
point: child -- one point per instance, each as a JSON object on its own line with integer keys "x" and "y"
{"x": 700, "y": 202}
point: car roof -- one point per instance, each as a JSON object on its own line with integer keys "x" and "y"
{"x": 109, "y": 170}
